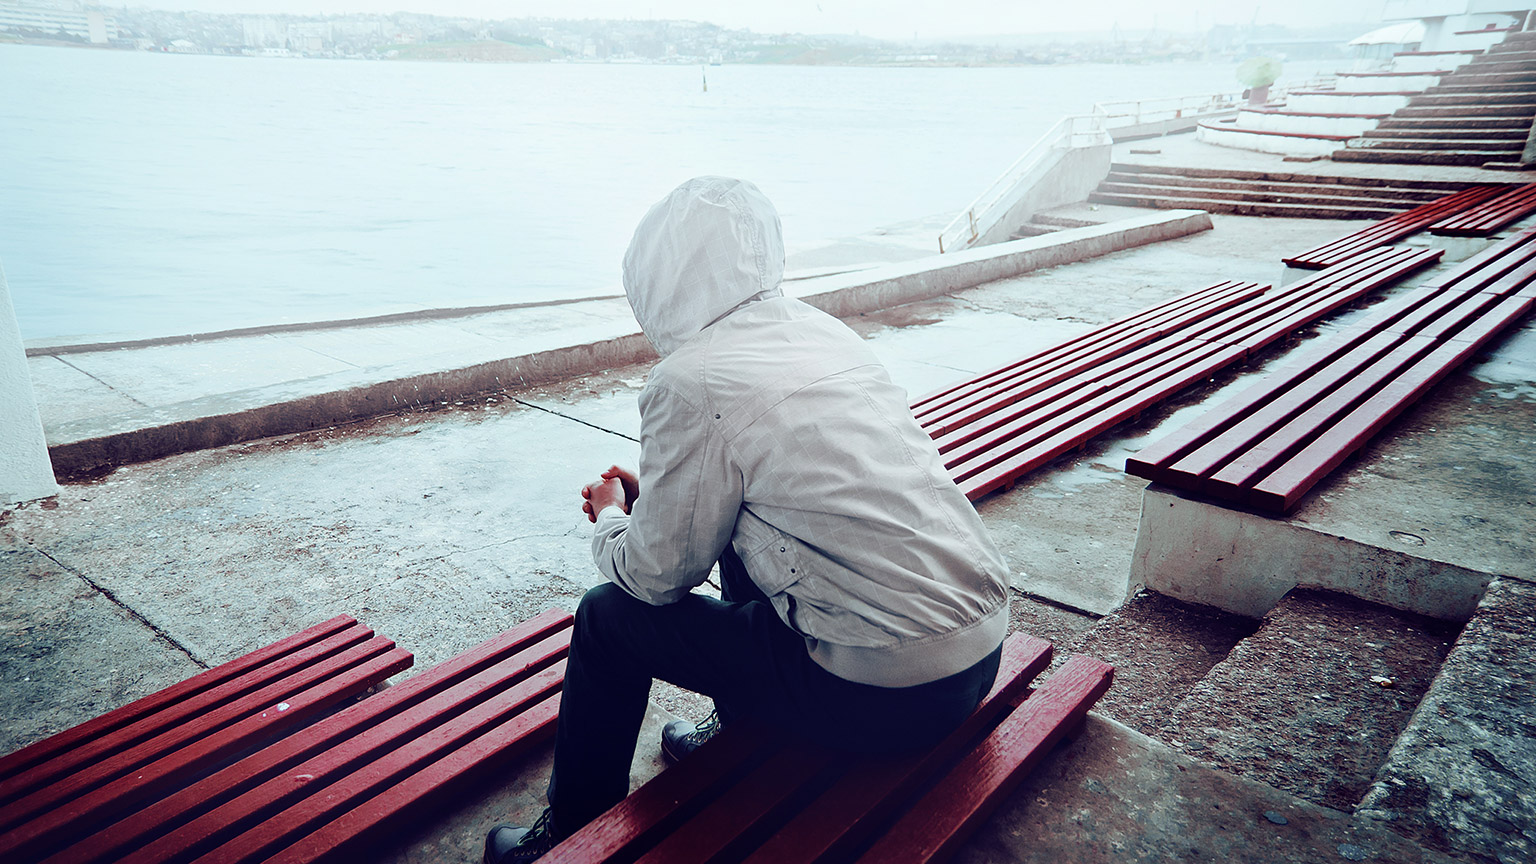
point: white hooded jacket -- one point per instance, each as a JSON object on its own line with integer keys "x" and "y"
{"x": 769, "y": 425}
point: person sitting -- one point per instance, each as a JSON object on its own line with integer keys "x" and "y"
{"x": 863, "y": 605}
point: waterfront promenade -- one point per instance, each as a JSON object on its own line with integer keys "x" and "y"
{"x": 443, "y": 522}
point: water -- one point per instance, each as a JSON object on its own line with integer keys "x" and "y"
{"x": 148, "y": 194}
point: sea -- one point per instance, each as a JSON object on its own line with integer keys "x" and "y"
{"x": 147, "y": 194}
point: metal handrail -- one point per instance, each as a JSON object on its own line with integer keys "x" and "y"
{"x": 1139, "y": 111}
{"x": 1073, "y": 130}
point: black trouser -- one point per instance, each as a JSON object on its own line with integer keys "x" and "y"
{"x": 739, "y": 653}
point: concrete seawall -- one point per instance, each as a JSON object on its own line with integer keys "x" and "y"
{"x": 82, "y": 446}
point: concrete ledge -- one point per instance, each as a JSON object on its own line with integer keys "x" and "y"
{"x": 1244, "y": 563}
{"x": 926, "y": 278}
{"x": 84, "y": 446}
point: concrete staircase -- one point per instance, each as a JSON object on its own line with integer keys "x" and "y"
{"x": 1481, "y": 113}
{"x": 1261, "y": 193}
{"x": 1321, "y": 700}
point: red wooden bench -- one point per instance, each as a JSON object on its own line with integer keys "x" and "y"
{"x": 1268, "y": 445}
{"x": 993, "y": 429}
{"x": 1396, "y": 227}
{"x": 1489, "y": 217}
{"x": 250, "y": 761}
{"x": 748, "y": 795}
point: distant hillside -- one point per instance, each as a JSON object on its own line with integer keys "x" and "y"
{"x": 477, "y": 51}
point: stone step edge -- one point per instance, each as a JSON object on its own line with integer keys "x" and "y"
{"x": 1241, "y": 208}
{"x": 1319, "y": 179}
{"x": 1393, "y": 194}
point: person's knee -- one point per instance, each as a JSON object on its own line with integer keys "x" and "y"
{"x": 600, "y": 603}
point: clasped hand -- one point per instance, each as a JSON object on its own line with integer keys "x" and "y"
{"x": 616, "y": 487}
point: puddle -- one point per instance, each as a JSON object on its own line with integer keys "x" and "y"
{"x": 1512, "y": 368}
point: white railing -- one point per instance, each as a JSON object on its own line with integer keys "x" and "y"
{"x": 1074, "y": 130}
{"x": 1136, "y": 112}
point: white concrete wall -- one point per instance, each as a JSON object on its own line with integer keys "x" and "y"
{"x": 1344, "y": 103}
{"x": 1283, "y": 144}
{"x": 1431, "y": 63}
{"x": 1387, "y": 83}
{"x": 25, "y": 472}
{"x": 1305, "y": 124}
{"x": 1066, "y": 180}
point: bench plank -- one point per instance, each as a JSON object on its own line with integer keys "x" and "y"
{"x": 1394, "y": 227}
{"x": 1488, "y": 218}
{"x": 97, "y": 728}
{"x": 104, "y": 791}
{"x": 950, "y": 812}
{"x": 231, "y": 800}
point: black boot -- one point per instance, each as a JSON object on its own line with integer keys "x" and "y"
{"x": 680, "y": 738}
{"x": 510, "y": 844}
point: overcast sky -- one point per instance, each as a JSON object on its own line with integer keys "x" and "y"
{"x": 886, "y": 19}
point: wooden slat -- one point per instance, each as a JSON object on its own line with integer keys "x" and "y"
{"x": 364, "y": 783}
{"x": 1255, "y": 463}
{"x": 99, "y": 727}
{"x": 1112, "y": 409}
{"x": 229, "y": 801}
{"x": 1030, "y": 375}
{"x": 1394, "y": 227}
{"x": 105, "y": 749}
{"x": 1487, "y": 218}
{"x": 1283, "y": 489}
{"x": 1490, "y": 263}
{"x": 925, "y": 404}
{"x": 947, "y": 814}
{"x": 1280, "y": 407}
{"x": 845, "y": 816}
{"x": 636, "y": 823}
{"x": 193, "y": 747}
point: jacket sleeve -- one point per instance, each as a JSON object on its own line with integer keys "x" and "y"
{"x": 690, "y": 493}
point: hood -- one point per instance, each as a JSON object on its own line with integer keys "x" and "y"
{"x": 710, "y": 246}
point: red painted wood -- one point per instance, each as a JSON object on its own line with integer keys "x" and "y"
{"x": 1487, "y": 218}
{"x": 85, "y": 752}
{"x": 658, "y": 807}
{"x": 1305, "y": 391}
{"x": 758, "y": 801}
{"x": 1449, "y": 324}
{"x": 353, "y": 775}
{"x": 1062, "y": 361}
{"x": 845, "y": 816}
{"x": 1253, "y": 464}
{"x": 93, "y": 763}
{"x": 1109, "y": 410}
{"x": 392, "y": 810}
{"x": 1283, "y": 489}
{"x": 923, "y": 406}
{"x": 1394, "y": 227}
{"x": 58, "y": 811}
{"x": 91, "y": 730}
{"x": 947, "y": 814}
{"x": 264, "y": 781}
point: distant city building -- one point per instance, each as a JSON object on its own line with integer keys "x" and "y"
{"x": 43, "y": 18}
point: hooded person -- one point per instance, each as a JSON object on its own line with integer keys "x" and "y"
{"x": 862, "y": 603}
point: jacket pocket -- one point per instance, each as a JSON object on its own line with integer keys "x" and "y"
{"x": 772, "y": 558}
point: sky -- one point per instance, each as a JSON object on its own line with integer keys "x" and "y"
{"x": 884, "y": 19}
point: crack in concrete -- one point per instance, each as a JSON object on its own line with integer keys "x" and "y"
{"x": 575, "y": 419}
{"x": 122, "y": 393}
{"x": 113, "y": 599}
{"x": 509, "y": 540}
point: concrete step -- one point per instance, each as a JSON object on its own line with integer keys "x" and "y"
{"x": 1288, "y": 177}
{"x": 1431, "y": 100}
{"x": 1059, "y": 221}
{"x": 1397, "y": 121}
{"x": 1472, "y": 89}
{"x": 1417, "y": 157}
{"x": 1513, "y": 63}
{"x": 1459, "y": 777}
{"x": 1470, "y": 78}
{"x": 1479, "y": 144}
{"x": 1031, "y": 229}
{"x": 1160, "y": 648}
{"x": 1255, "y": 196}
{"x": 1317, "y": 191}
{"x": 1473, "y": 111}
{"x": 1314, "y": 700}
{"x": 1241, "y": 208}
{"x": 1515, "y": 134}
